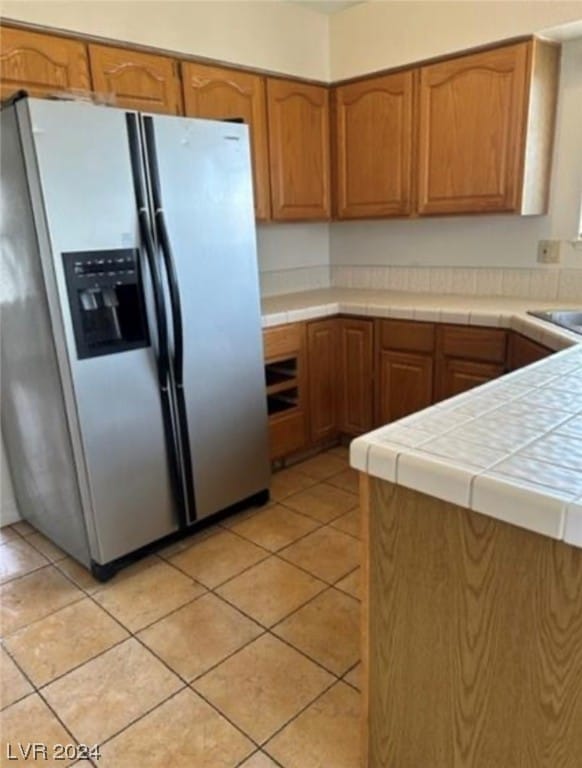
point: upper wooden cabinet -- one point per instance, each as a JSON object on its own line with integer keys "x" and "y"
{"x": 373, "y": 130}
{"x": 221, "y": 94}
{"x": 41, "y": 64}
{"x": 138, "y": 80}
{"x": 486, "y": 124}
{"x": 298, "y": 149}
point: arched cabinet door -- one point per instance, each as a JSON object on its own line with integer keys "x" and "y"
{"x": 472, "y": 114}
{"x": 41, "y": 64}
{"x": 218, "y": 93}
{"x": 373, "y": 146}
{"x": 137, "y": 80}
{"x": 298, "y": 116}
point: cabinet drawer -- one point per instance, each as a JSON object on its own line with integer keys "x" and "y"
{"x": 287, "y": 434}
{"x": 487, "y": 344}
{"x": 283, "y": 340}
{"x": 407, "y": 335}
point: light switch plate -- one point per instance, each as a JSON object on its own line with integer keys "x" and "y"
{"x": 549, "y": 251}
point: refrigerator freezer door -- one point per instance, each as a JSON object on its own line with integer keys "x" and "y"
{"x": 206, "y": 193}
{"x": 85, "y": 176}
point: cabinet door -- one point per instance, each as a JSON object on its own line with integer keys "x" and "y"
{"x": 472, "y": 121}
{"x": 373, "y": 152}
{"x": 322, "y": 368}
{"x": 138, "y": 80}
{"x": 405, "y": 384}
{"x": 456, "y": 376}
{"x": 219, "y": 94}
{"x": 41, "y": 64}
{"x": 523, "y": 351}
{"x": 298, "y": 149}
{"x": 355, "y": 376}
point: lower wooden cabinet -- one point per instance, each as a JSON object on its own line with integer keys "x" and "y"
{"x": 355, "y": 375}
{"x": 456, "y": 376}
{"x": 405, "y": 384}
{"x": 523, "y": 351}
{"x": 322, "y": 374}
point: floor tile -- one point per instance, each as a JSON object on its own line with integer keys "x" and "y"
{"x": 196, "y": 637}
{"x": 259, "y": 760}
{"x": 342, "y": 451}
{"x": 64, "y": 640}
{"x": 350, "y": 523}
{"x": 327, "y": 630}
{"x": 31, "y": 721}
{"x": 144, "y": 596}
{"x": 348, "y": 480}
{"x": 238, "y": 517}
{"x": 351, "y": 584}
{"x": 270, "y": 590}
{"x": 103, "y": 696}
{"x": 288, "y": 481}
{"x": 79, "y": 574}
{"x": 46, "y": 547}
{"x": 274, "y": 527}
{"x": 33, "y": 597}
{"x": 23, "y": 528}
{"x": 184, "y": 732}
{"x": 326, "y": 734}
{"x": 218, "y": 558}
{"x": 7, "y": 533}
{"x": 322, "y": 502}
{"x": 354, "y": 676}
{"x": 326, "y": 553}
{"x": 262, "y": 686}
{"x": 322, "y": 466}
{"x": 13, "y": 684}
{"x": 17, "y": 558}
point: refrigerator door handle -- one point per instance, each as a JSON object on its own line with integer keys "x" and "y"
{"x": 163, "y": 357}
{"x": 176, "y": 309}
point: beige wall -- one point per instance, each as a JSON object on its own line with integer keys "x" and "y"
{"x": 284, "y": 37}
{"x": 379, "y": 34}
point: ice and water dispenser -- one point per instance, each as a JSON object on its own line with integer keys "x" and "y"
{"x": 106, "y": 299}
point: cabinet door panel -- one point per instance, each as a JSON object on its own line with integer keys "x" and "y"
{"x": 456, "y": 376}
{"x": 138, "y": 80}
{"x": 298, "y": 116}
{"x": 41, "y": 64}
{"x": 471, "y": 132}
{"x": 322, "y": 367}
{"x": 355, "y": 376}
{"x": 218, "y": 94}
{"x": 523, "y": 351}
{"x": 405, "y": 384}
{"x": 373, "y": 127}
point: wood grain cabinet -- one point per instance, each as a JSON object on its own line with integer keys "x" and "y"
{"x": 323, "y": 374}
{"x": 217, "y": 93}
{"x": 466, "y": 357}
{"x": 138, "y": 80}
{"x": 523, "y": 351}
{"x": 298, "y": 115}
{"x": 41, "y": 64}
{"x": 486, "y": 124}
{"x": 404, "y": 373}
{"x": 373, "y": 131}
{"x": 286, "y": 382}
{"x": 355, "y": 375}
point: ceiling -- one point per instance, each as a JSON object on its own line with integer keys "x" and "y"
{"x": 329, "y": 7}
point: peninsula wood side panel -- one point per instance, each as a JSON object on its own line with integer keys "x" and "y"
{"x": 473, "y": 650}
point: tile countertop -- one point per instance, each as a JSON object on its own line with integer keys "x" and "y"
{"x": 510, "y": 449}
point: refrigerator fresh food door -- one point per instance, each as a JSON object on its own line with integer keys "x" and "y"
{"x": 99, "y": 280}
{"x": 206, "y": 202}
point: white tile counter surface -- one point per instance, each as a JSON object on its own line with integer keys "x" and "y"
{"x": 510, "y": 449}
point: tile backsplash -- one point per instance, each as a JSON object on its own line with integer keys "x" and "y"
{"x": 540, "y": 284}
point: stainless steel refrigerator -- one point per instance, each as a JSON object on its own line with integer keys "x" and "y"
{"x": 133, "y": 398}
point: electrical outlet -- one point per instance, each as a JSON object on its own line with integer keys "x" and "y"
{"x": 549, "y": 251}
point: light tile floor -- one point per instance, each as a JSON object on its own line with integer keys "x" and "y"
{"x": 238, "y": 647}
